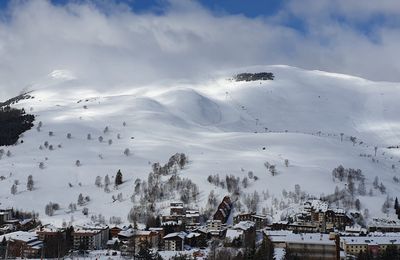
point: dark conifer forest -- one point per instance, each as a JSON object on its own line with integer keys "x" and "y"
{"x": 13, "y": 122}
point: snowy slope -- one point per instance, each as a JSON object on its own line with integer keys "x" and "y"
{"x": 220, "y": 124}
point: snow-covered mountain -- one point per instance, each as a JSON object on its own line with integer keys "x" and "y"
{"x": 224, "y": 126}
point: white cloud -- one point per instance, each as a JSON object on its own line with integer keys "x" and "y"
{"x": 187, "y": 41}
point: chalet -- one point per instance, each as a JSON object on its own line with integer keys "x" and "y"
{"x": 374, "y": 244}
{"x": 84, "y": 239}
{"x": 248, "y": 233}
{"x": 176, "y": 208}
{"x": 384, "y": 225}
{"x": 174, "y": 241}
{"x": 146, "y": 238}
{"x": 127, "y": 234}
{"x": 160, "y": 234}
{"x": 196, "y": 239}
{"x": 261, "y": 221}
{"x": 233, "y": 237}
{"x": 5, "y": 214}
{"x": 114, "y": 231}
{"x": 215, "y": 228}
{"x": 102, "y": 229}
{"x": 172, "y": 226}
{"x": 54, "y": 239}
{"x": 23, "y": 244}
{"x": 306, "y": 245}
{"x": 113, "y": 243}
{"x": 224, "y": 210}
{"x": 326, "y": 218}
{"x": 192, "y": 219}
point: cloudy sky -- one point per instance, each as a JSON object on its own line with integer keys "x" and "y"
{"x": 134, "y": 42}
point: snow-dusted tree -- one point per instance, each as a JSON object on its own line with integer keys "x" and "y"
{"x": 366, "y": 213}
{"x": 101, "y": 139}
{"x": 85, "y": 211}
{"x": 81, "y": 200}
{"x": 106, "y": 130}
{"x": 376, "y": 183}
{"x": 382, "y": 188}
{"x": 341, "y": 137}
{"x": 89, "y": 137}
{"x": 8, "y": 153}
{"x": 110, "y": 142}
{"x": 30, "y": 183}
{"x": 357, "y": 204}
{"x": 14, "y": 189}
{"x": 69, "y": 135}
{"x": 286, "y": 162}
{"x": 41, "y": 165}
{"x": 40, "y": 147}
{"x": 78, "y": 163}
{"x": 350, "y": 186}
{"x": 137, "y": 186}
{"x": 386, "y": 205}
{"x": 361, "y": 188}
{"x": 119, "y": 197}
{"x": 72, "y": 207}
{"x": 51, "y": 148}
{"x": 375, "y": 149}
{"x": 46, "y": 144}
{"x": 49, "y": 209}
{"x": 353, "y": 139}
{"x": 107, "y": 180}
{"x": 127, "y": 152}
{"x": 118, "y": 136}
{"x": 98, "y": 181}
{"x": 245, "y": 182}
{"x": 124, "y": 123}
{"x": 106, "y": 188}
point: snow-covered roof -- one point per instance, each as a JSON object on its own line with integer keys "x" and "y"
{"x": 143, "y": 232}
{"x": 127, "y": 233}
{"x": 20, "y": 235}
{"x": 285, "y": 236}
{"x": 181, "y": 235}
{"x": 244, "y": 225}
{"x": 48, "y": 228}
{"x": 112, "y": 241}
{"x": 355, "y": 228}
{"x": 384, "y": 240}
{"x": 384, "y": 222}
{"x": 233, "y": 234}
{"x": 193, "y": 234}
{"x": 156, "y": 229}
{"x": 309, "y": 238}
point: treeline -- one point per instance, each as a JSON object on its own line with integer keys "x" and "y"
{"x": 13, "y": 123}
{"x": 175, "y": 162}
{"x": 254, "y": 76}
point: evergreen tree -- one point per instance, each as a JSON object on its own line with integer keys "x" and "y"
{"x": 118, "y": 178}
{"x": 30, "y": 183}
{"x": 14, "y": 189}
{"x": 266, "y": 250}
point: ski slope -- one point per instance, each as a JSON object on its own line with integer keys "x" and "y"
{"x": 222, "y": 125}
